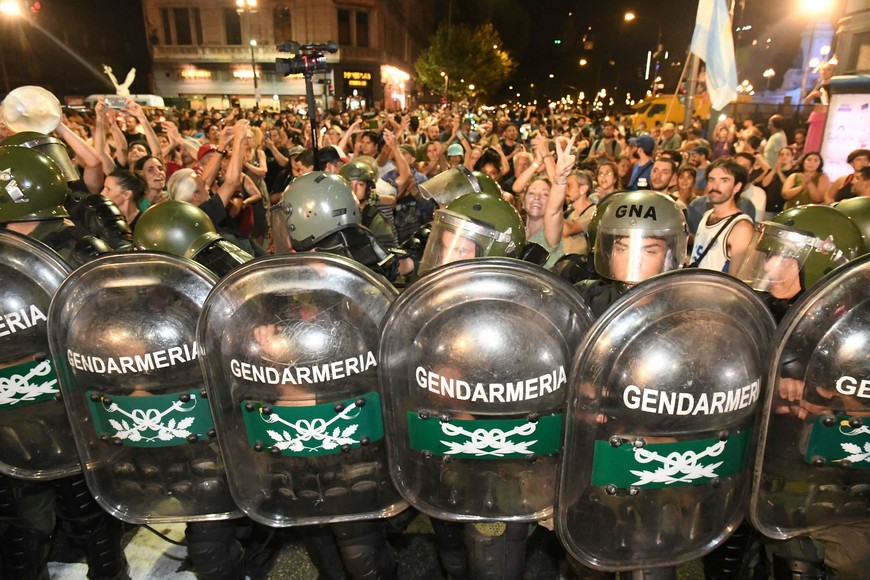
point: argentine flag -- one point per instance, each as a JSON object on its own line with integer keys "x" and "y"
{"x": 713, "y": 43}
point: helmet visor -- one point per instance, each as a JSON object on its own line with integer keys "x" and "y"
{"x": 280, "y": 236}
{"x": 633, "y": 255}
{"x": 455, "y": 238}
{"x": 775, "y": 258}
{"x": 448, "y": 185}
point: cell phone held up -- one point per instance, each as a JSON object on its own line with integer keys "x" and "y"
{"x": 116, "y": 102}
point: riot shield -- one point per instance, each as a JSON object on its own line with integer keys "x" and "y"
{"x": 123, "y": 333}
{"x": 814, "y": 452}
{"x": 290, "y": 346}
{"x": 35, "y": 436}
{"x": 661, "y": 408}
{"x": 474, "y": 360}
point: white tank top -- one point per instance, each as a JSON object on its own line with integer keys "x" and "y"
{"x": 717, "y": 258}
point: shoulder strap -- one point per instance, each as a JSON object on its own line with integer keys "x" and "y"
{"x": 724, "y": 227}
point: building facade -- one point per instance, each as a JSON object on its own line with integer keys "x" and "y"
{"x": 208, "y": 51}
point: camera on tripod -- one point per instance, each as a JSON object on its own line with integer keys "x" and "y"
{"x": 308, "y": 60}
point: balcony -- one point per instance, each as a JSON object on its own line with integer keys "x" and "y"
{"x": 163, "y": 53}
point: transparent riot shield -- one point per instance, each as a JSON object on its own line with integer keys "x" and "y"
{"x": 290, "y": 360}
{"x": 659, "y": 437}
{"x": 35, "y": 437}
{"x": 814, "y": 452}
{"x": 474, "y": 362}
{"x": 123, "y": 334}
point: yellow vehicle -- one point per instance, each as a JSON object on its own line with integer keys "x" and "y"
{"x": 667, "y": 108}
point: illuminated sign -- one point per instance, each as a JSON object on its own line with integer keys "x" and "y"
{"x": 195, "y": 74}
{"x": 357, "y": 78}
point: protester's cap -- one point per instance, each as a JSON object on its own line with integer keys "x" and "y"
{"x": 331, "y": 154}
{"x": 632, "y": 141}
{"x": 668, "y": 127}
{"x": 295, "y": 151}
{"x": 205, "y": 150}
{"x": 701, "y": 149}
{"x": 647, "y": 143}
{"x": 455, "y": 149}
{"x": 408, "y": 148}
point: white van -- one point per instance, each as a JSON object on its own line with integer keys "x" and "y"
{"x": 145, "y": 100}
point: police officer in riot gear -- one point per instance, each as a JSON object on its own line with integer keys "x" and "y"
{"x": 474, "y": 225}
{"x": 640, "y": 234}
{"x": 32, "y": 196}
{"x": 92, "y": 213}
{"x": 475, "y": 222}
{"x": 788, "y": 256}
{"x": 362, "y": 174}
{"x": 182, "y": 229}
{"x": 32, "y": 193}
{"x": 795, "y": 250}
{"x": 318, "y": 212}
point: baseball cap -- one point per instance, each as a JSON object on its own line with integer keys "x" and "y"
{"x": 668, "y": 127}
{"x": 455, "y": 149}
{"x": 205, "y": 150}
{"x": 646, "y": 143}
{"x": 331, "y": 154}
{"x": 295, "y": 151}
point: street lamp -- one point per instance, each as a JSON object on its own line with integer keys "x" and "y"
{"x": 9, "y": 9}
{"x": 630, "y": 17}
{"x": 815, "y": 9}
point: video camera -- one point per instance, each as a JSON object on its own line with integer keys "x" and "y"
{"x": 308, "y": 59}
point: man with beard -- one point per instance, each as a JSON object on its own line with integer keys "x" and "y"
{"x": 724, "y": 233}
{"x": 662, "y": 172}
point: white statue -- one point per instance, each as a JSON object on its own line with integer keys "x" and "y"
{"x": 121, "y": 89}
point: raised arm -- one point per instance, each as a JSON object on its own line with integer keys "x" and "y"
{"x": 233, "y": 176}
{"x": 92, "y": 174}
{"x": 133, "y": 108}
{"x": 553, "y": 216}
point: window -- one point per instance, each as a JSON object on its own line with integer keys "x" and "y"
{"x": 362, "y": 29}
{"x": 344, "y": 32}
{"x": 656, "y": 109}
{"x": 282, "y": 24}
{"x": 353, "y": 28}
{"x": 181, "y": 25}
{"x": 233, "y": 25}
{"x": 167, "y": 26}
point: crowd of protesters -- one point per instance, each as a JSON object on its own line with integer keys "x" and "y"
{"x": 165, "y": 154}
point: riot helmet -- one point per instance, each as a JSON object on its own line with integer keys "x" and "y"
{"x": 858, "y": 210}
{"x": 32, "y": 186}
{"x": 640, "y": 234}
{"x": 473, "y": 226}
{"x": 797, "y": 248}
{"x": 314, "y": 206}
{"x": 175, "y": 227}
{"x": 51, "y": 146}
{"x": 360, "y": 169}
